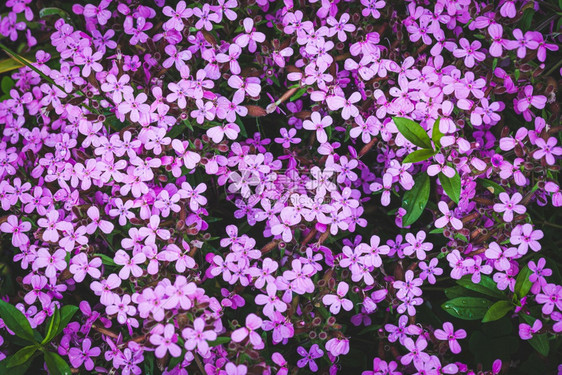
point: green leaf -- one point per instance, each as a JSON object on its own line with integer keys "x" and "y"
{"x": 56, "y": 364}
{"x": 16, "y": 321}
{"x": 522, "y": 284}
{"x": 451, "y": 186}
{"x": 21, "y": 356}
{"x": 106, "y": 260}
{"x": 486, "y": 286}
{"x": 219, "y": 341}
{"x": 52, "y": 326}
{"x": 459, "y": 291}
{"x": 415, "y": 199}
{"x": 52, "y": 11}
{"x": 300, "y": 92}
{"x": 467, "y": 308}
{"x": 66, "y": 314}
{"x": 413, "y": 132}
{"x": 436, "y": 134}
{"x": 497, "y": 311}
{"x": 493, "y": 187}
{"x": 7, "y": 84}
{"x": 418, "y": 155}
{"x": 17, "y": 370}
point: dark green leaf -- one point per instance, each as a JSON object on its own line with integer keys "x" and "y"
{"x": 17, "y": 370}
{"x": 527, "y": 18}
{"x": 300, "y": 92}
{"x": 522, "y": 284}
{"x": 219, "y": 341}
{"x": 497, "y": 311}
{"x": 45, "y": 12}
{"x": 486, "y": 286}
{"x": 493, "y": 187}
{"x": 413, "y": 132}
{"x": 451, "y": 186}
{"x": 418, "y": 155}
{"x": 459, "y": 291}
{"x": 467, "y": 308}
{"x": 16, "y": 321}
{"x": 21, "y": 356}
{"x": 56, "y": 364}
{"x": 415, "y": 199}
{"x": 52, "y": 326}
{"x": 7, "y": 84}
{"x": 436, "y": 134}
{"x": 66, "y": 314}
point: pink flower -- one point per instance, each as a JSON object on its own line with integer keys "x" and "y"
{"x": 498, "y": 42}
{"x": 89, "y": 59}
{"x": 338, "y": 346}
{"x": 80, "y": 267}
{"x": 197, "y": 337}
{"x": 253, "y": 322}
{"x": 336, "y": 301}
{"x": 51, "y": 262}
{"x": 104, "y": 225}
{"x": 271, "y": 301}
{"x": 318, "y": 124}
{"x": 416, "y": 353}
{"x": 537, "y": 101}
{"x": 526, "y": 332}
{"x": 550, "y": 297}
{"x": 288, "y": 137}
{"x": 448, "y": 218}
{"x": 51, "y": 225}
{"x": 417, "y": 245}
{"x": 522, "y": 42}
{"x": 130, "y": 265}
{"x": 251, "y": 36}
{"x": 448, "y": 333}
{"x": 17, "y": 228}
{"x": 309, "y": 357}
{"x": 470, "y": 52}
{"x": 165, "y": 339}
{"x": 509, "y": 206}
{"x": 78, "y": 357}
{"x": 547, "y": 150}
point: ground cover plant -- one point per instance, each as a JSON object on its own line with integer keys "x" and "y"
{"x": 280, "y": 187}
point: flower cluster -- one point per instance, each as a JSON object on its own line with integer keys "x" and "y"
{"x": 202, "y": 180}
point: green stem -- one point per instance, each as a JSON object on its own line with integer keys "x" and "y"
{"x": 554, "y": 68}
{"x": 29, "y": 64}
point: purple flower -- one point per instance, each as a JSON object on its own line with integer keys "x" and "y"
{"x": 84, "y": 356}
{"x": 309, "y": 357}
{"x": 448, "y": 333}
{"x": 509, "y": 206}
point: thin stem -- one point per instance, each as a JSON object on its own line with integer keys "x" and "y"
{"x": 29, "y": 64}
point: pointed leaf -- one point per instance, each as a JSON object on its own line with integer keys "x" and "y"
{"x": 467, "y": 308}
{"x": 418, "y": 155}
{"x": 415, "y": 199}
{"x": 21, "y": 356}
{"x": 497, "y": 311}
{"x": 522, "y": 284}
{"x": 66, "y": 314}
{"x": 56, "y": 364}
{"x": 52, "y": 326}
{"x": 436, "y": 134}
{"x": 451, "y": 186}
{"x": 538, "y": 342}
{"x": 413, "y": 132}
{"x": 486, "y": 286}
{"x": 16, "y": 321}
